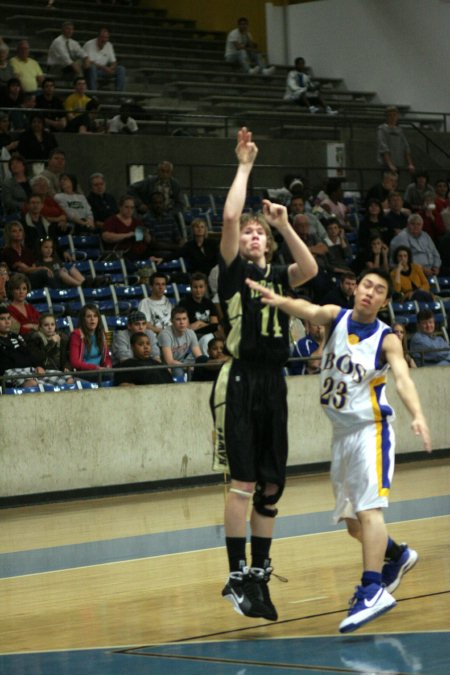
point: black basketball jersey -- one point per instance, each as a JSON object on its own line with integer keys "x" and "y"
{"x": 255, "y": 332}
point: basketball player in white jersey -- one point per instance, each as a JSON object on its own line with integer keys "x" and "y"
{"x": 357, "y": 351}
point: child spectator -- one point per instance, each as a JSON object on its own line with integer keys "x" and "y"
{"x": 51, "y": 348}
{"x": 216, "y": 359}
{"x": 26, "y": 316}
{"x": 400, "y": 331}
{"x": 47, "y": 257}
{"x": 121, "y": 344}
{"x": 375, "y": 257}
{"x": 179, "y": 343}
{"x": 15, "y": 357}
{"x": 141, "y": 349}
{"x": 308, "y": 346}
{"x": 88, "y": 345}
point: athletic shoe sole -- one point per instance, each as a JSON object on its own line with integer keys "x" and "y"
{"x": 348, "y": 626}
{"x": 408, "y": 565}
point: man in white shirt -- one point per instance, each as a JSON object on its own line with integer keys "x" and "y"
{"x": 157, "y": 308}
{"x": 102, "y": 62}
{"x": 66, "y": 54}
{"x": 240, "y": 49}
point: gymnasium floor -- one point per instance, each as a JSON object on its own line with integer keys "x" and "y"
{"x": 131, "y": 585}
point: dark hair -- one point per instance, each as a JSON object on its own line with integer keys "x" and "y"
{"x": 199, "y": 276}
{"x": 56, "y": 151}
{"x": 16, "y": 281}
{"x": 156, "y": 275}
{"x": 13, "y": 80}
{"x": 125, "y": 198}
{"x": 424, "y": 315}
{"x": 4, "y": 309}
{"x": 178, "y": 309}
{"x": 348, "y": 275}
{"x": 298, "y": 59}
{"x": 18, "y": 157}
{"x": 99, "y": 332}
{"x": 402, "y": 248}
{"x": 77, "y": 79}
{"x": 380, "y": 273}
{"x": 46, "y": 80}
{"x": 72, "y": 178}
{"x": 93, "y": 104}
{"x": 332, "y": 185}
{"x": 421, "y": 174}
{"x": 136, "y": 336}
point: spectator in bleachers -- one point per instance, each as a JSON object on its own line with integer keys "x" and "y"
{"x": 441, "y": 200}
{"x": 382, "y": 190}
{"x": 307, "y": 346}
{"x": 16, "y": 189}
{"x": 396, "y": 217}
{"x": 13, "y": 97}
{"x": 432, "y": 221}
{"x": 26, "y": 69}
{"x": 15, "y": 356}
{"x": 76, "y": 102}
{"x": 125, "y": 233}
{"x": 423, "y": 250}
{"x": 297, "y": 207}
{"x": 36, "y": 226}
{"x": 339, "y": 251}
{"x": 36, "y": 143}
{"x": 141, "y": 356}
{"x": 103, "y": 204}
{"x": 4, "y": 279}
{"x": 321, "y": 283}
{"x": 201, "y": 310}
{"x": 374, "y": 223}
{"x": 121, "y": 344}
{"x": 123, "y": 123}
{"x": 66, "y": 56}
{"x": 103, "y": 62}
{"x": 427, "y": 348}
{"x": 344, "y": 294}
{"x": 201, "y": 253}
{"x": 374, "y": 256}
{"x": 416, "y": 192}
{"x": 54, "y": 115}
{"x": 216, "y": 359}
{"x": 393, "y": 151}
{"x": 88, "y": 347}
{"x": 64, "y": 275}
{"x": 157, "y": 308}
{"x": 51, "y": 210}
{"x": 25, "y": 316}
{"x": 333, "y": 203}
{"x": 164, "y": 228}
{"x": 178, "y": 342}
{"x": 21, "y": 259}
{"x": 56, "y": 166}
{"x": 49, "y": 347}
{"x": 75, "y": 205}
{"x": 408, "y": 278}
{"x": 400, "y": 331}
{"x": 86, "y": 122}
{"x": 301, "y": 89}
{"x": 6, "y": 139}
{"x": 6, "y": 71}
{"x": 241, "y": 50}
{"x": 162, "y": 182}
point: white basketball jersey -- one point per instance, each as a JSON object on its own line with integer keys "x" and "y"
{"x": 353, "y": 379}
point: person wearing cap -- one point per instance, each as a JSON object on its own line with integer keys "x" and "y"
{"x": 66, "y": 55}
{"x": 121, "y": 345}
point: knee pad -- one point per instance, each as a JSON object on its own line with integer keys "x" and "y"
{"x": 262, "y": 501}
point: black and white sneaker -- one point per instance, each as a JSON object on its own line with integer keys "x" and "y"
{"x": 261, "y": 577}
{"x": 245, "y": 595}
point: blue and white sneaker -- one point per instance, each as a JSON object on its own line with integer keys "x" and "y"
{"x": 367, "y": 603}
{"x": 393, "y": 570}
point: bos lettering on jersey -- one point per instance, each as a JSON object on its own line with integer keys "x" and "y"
{"x": 344, "y": 364}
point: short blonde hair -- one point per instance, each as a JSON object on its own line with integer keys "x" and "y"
{"x": 260, "y": 219}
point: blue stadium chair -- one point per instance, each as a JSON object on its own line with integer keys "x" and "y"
{"x": 171, "y": 266}
{"x": 131, "y": 294}
{"x": 39, "y": 295}
{"x": 66, "y": 323}
{"x": 71, "y": 298}
{"x": 88, "y": 244}
{"x": 183, "y": 290}
{"x": 114, "y": 322}
{"x": 105, "y": 299}
{"x": 53, "y": 308}
{"x": 443, "y": 286}
{"x": 201, "y": 202}
{"x": 115, "y": 269}
{"x": 403, "y": 312}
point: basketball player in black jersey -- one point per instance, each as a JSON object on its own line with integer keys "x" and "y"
{"x": 249, "y": 397}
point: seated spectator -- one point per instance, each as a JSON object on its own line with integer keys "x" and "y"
{"x": 66, "y": 57}
{"x": 15, "y": 357}
{"x": 393, "y": 151}
{"x": 157, "y": 308}
{"x": 427, "y": 348}
{"x": 21, "y": 259}
{"x": 339, "y": 252}
{"x": 376, "y": 256}
{"x": 178, "y": 343}
{"x": 102, "y": 203}
{"x": 76, "y": 102}
{"x": 382, "y": 190}
{"x": 441, "y": 200}
{"x": 301, "y": 89}
{"x": 66, "y": 275}
{"x": 443, "y": 247}
{"x": 141, "y": 349}
{"x": 400, "y": 331}
{"x": 86, "y": 122}
{"x": 49, "y": 347}
{"x": 297, "y": 208}
{"x": 309, "y": 346}
{"x": 4, "y": 279}
{"x": 16, "y": 189}
{"x": 396, "y": 217}
{"x": 12, "y": 97}
{"x": 88, "y": 347}
{"x": 25, "y": 316}
{"x": 36, "y": 143}
{"x": 56, "y": 166}
{"x": 201, "y": 310}
{"x": 342, "y": 295}
{"x": 432, "y": 222}
{"x": 416, "y": 192}
{"x": 121, "y": 344}
{"x": 6, "y": 71}
{"x": 333, "y": 204}
{"x": 103, "y": 62}
{"x": 35, "y": 225}
{"x": 241, "y": 50}
{"x": 125, "y": 233}
{"x": 164, "y": 183}
{"x": 26, "y": 69}
{"x": 123, "y": 123}
{"x": 54, "y": 113}
{"x": 216, "y": 359}
{"x": 165, "y": 232}
{"x": 7, "y": 140}
{"x": 75, "y": 205}
{"x": 374, "y": 223}
{"x": 423, "y": 250}
{"x": 201, "y": 253}
{"x": 410, "y": 283}
{"x": 322, "y": 282}
{"x": 51, "y": 210}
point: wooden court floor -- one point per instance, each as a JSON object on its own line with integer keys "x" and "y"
{"x": 138, "y": 578}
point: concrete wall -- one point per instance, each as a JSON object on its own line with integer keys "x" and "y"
{"x": 397, "y": 49}
{"x": 53, "y": 442}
